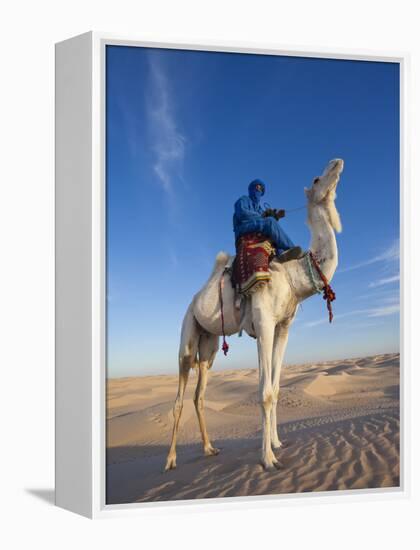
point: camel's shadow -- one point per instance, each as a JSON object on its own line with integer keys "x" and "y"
{"x": 136, "y": 473}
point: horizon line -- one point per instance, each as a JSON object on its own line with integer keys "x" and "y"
{"x": 288, "y": 364}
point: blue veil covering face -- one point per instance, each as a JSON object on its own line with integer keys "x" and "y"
{"x": 255, "y": 195}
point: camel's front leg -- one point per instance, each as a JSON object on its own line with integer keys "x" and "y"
{"x": 265, "y": 334}
{"x": 281, "y": 336}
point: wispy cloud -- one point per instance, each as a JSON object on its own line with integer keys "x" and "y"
{"x": 168, "y": 143}
{"x": 173, "y": 257}
{"x": 378, "y": 294}
{"x": 324, "y": 320}
{"x": 384, "y": 311}
{"x": 393, "y": 306}
{"x": 385, "y": 281}
{"x": 390, "y": 254}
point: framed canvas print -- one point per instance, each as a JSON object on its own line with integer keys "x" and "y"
{"x": 229, "y": 258}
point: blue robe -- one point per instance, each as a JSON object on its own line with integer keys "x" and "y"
{"x": 248, "y": 219}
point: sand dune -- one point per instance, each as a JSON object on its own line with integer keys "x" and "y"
{"x": 340, "y": 420}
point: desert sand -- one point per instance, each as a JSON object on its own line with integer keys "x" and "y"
{"x": 339, "y": 420}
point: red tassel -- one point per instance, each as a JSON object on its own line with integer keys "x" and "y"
{"x": 329, "y": 294}
{"x": 225, "y": 346}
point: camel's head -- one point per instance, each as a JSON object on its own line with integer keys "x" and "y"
{"x": 322, "y": 191}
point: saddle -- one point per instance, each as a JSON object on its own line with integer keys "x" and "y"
{"x": 250, "y": 269}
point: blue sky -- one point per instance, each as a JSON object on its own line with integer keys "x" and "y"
{"x": 186, "y": 132}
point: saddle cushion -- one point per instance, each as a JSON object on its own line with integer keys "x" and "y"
{"x": 250, "y": 269}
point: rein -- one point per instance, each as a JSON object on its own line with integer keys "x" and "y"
{"x": 267, "y": 205}
{"x": 295, "y": 209}
{"x": 225, "y": 345}
{"x": 329, "y": 294}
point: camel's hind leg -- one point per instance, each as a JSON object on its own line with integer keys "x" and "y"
{"x": 187, "y": 359}
{"x": 207, "y": 349}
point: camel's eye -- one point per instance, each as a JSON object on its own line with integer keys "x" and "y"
{"x": 316, "y": 180}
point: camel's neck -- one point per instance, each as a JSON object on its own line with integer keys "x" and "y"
{"x": 323, "y": 242}
{"x": 323, "y": 245}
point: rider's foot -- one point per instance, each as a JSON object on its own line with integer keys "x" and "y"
{"x": 291, "y": 254}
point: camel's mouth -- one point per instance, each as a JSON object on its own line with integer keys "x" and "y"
{"x": 322, "y": 186}
{"x": 332, "y": 171}
{"x": 322, "y": 192}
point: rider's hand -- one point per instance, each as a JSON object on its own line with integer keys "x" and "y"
{"x": 268, "y": 212}
{"x": 280, "y": 214}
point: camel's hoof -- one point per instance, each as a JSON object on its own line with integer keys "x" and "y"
{"x": 269, "y": 467}
{"x": 170, "y": 464}
{"x": 272, "y": 466}
{"x": 278, "y": 465}
{"x": 281, "y": 444}
{"x": 211, "y": 451}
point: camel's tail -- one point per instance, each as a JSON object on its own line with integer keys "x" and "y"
{"x": 221, "y": 260}
{"x": 190, "y": 336}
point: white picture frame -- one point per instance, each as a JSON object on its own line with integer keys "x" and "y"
{"x": 80, "y": 275}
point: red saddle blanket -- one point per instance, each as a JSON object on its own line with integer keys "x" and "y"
{"x": 250, "y": 269}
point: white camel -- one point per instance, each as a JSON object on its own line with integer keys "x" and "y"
{"x": 267, "y": 315}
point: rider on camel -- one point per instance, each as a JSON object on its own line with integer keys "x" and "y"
{"x": 250, "y": 217}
